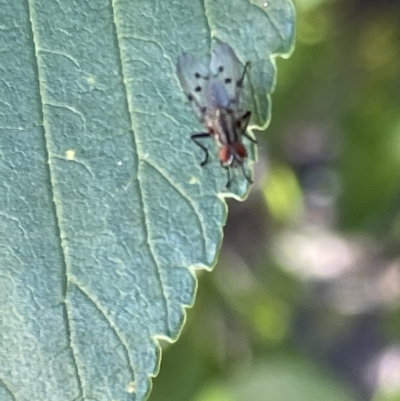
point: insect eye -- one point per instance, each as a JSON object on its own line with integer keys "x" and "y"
{"x": 225, "y": 155}
{"x": 198, "y": 89}
{"x": 228, "y": 80}
{"x": 241, "y": 150}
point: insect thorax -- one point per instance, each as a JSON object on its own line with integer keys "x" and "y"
{"x": 223, "y": 125}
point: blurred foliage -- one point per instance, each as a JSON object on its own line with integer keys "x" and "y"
{"x": 305, "y": 297}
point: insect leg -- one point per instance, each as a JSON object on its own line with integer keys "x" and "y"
{"x": 239, "y": 83}
{"x": 249, "y": 137}
{"x": 228, "y": 172}
{"x": 246, "y": 118}
{"x": 249, "y": 180}
{"x": 195, "y": 138}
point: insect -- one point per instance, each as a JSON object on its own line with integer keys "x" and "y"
{"x": 214, "y": 94}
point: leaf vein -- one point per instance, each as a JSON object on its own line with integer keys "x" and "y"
{"x": 182, "y": 193}
{"x": 271, "y": 20}
{"x": 137, "y": 147}
{"x": 38, "y": 73}
{"x": 112, "y": 325}
{"x": 3, "y": 384}
{"x": 206, "y": 16}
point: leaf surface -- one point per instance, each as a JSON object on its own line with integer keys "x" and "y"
{"x": 104, "y": 208}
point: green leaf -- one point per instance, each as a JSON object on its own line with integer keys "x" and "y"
{"x": 288, "y": 379}
{"x": 105, "y": 211}
{"x": 279, "y": 379}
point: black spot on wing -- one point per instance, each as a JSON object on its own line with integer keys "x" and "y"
{"x": 198, "y": 76}
{"x": 197, "y": 89}
{"x": 228, "y": 80}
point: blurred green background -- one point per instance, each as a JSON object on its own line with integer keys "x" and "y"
{"x": 304, "y": 301}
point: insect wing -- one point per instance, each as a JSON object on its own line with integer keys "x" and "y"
{"x": 193, "y": 77}
{"x": 216, "y": 95}
{"x": 228, "y": 70}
